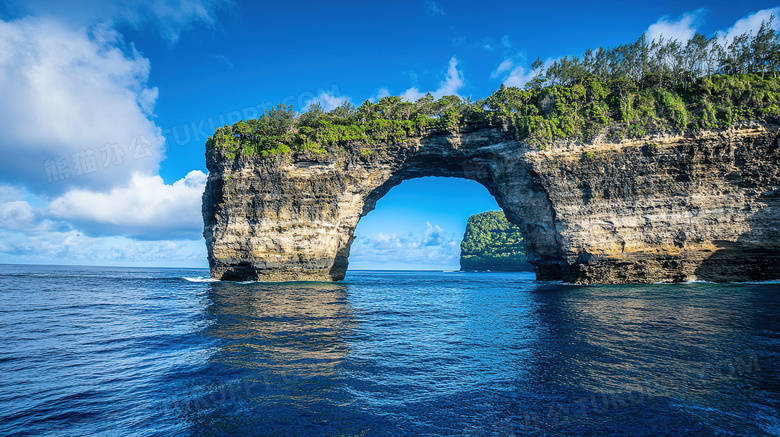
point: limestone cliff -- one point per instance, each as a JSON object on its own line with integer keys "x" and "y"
{"x": 666, "y": 208}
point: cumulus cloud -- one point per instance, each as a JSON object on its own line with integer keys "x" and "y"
{"x": 752, "y": 22}
{"x": 15, "y": 212}
{"x": 75, "y": 108}
{"x": 20, "y": 210}
{"x": 449, "y": 86}
{"x": 74, "y": 247}
{"x": 380, "y": 93}
{"x": 681, "y": 29}
{"x": 504, "y": 66}
{"x": 433, "y": 248}
{"x": 518, "y": 77}
{"x": 31, "y": 232}
{"x": 78, "y": 128}
{"x": 434, "y": 236}
{"x": 514, "y": 73}
{"x": 412, "y": 94}
{"x": 144, "y": 208}
{"x": 327, "y": 101}
{"x": 10, "y": 193}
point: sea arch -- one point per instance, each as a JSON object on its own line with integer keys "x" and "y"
{"x": 293, "y": 217}
{"x": 667, "y": 208}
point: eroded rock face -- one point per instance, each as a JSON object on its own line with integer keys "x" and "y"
{"x": 680, "y": 208}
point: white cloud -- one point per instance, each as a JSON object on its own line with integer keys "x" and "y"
{"x": 434, "y": 235}
{"x": 434, "y": 248}
{"x": 163, "y": 232}
{"x": 752, "y": 22}
{"x": 505, "y": 65}
{"x": 173, "y": 16}
{"x": 681, "y": 30}
{"x": 505, "y": 41}
{"x": 17, "y": 214}
{"x": 453, "y": 82}
{"x": 21, "y": 211}
{"x": 380, "y": 93}
{"x": 63, "y": 93}
{"x": 412, "y": 94}
{"x": 327, "y": 100}
{"x": 9, "y": 193}
{"x": 449, "y": 86}
{"x": 224, "y": 59}
{"x": 77, "y": 117}
{"x": 74, "y": 247}
{"x": 514, "y": 74}
{"x": 518, "y": 77}
{"x": 144, "y": 208}
{"x": 169, "y": 17}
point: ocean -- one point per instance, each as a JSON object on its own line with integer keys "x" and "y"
{"x": 102, "y": 351}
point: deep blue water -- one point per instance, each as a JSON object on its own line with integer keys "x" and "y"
{"x": 147, "y": 352}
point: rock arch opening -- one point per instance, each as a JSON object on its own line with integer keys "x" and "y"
{"x": 294, "y": 217}
{"x": 418, "y": 225}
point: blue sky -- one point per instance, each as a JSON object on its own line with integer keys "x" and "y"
{"x": 105, "y": 105}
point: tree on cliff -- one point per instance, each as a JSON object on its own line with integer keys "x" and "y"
{"x": 628, "y": 91}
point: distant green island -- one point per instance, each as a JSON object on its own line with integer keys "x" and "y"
{"x": 492, "y": 243}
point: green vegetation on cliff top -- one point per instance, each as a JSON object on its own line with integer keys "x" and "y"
{"x": 628, "y": 91}
{"x": 492, "y": 243}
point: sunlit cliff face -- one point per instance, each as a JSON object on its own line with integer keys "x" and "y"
{"x": 691, "y": 207}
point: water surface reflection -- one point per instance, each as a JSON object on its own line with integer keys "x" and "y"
{"x": 275, "y": 368}
{"x": 655, "y": 360}
{"x": 488, "y": 354}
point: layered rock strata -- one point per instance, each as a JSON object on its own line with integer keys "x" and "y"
{"x": 667, "y": 208}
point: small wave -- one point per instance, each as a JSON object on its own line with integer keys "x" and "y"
{"x": 200, "y": 279}
{"x": 699, "y": 281}
{"x": 204, "y": 279}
